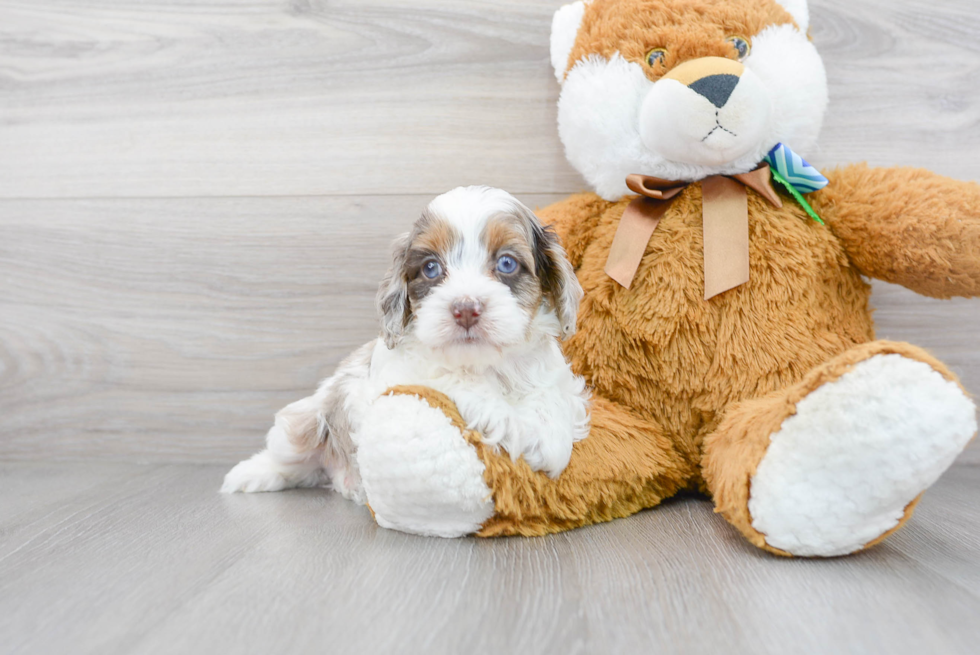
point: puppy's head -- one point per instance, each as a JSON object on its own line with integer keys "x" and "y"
{"x": 477, "y": 271}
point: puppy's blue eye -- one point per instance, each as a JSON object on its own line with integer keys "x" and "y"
{"x": 506, "y": 265}
{"x": 431, "y": 269}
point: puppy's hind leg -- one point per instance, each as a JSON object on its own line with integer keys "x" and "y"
{"x": 293, "y": 456}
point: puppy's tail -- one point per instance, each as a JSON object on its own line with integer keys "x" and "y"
{"x": 304, "y": 424}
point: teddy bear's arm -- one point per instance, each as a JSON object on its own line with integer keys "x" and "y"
{"x": 574, "y": 219}
{"x": 908, "y": 226}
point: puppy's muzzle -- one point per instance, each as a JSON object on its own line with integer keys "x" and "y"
{"x": 466, "y": 311}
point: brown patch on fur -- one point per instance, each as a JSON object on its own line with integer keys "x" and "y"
{"x": 507, "y": 235}
{"x": 733, "y": 452}
{"x": 403, "y": 286}
{"x": 435, "y": 235}
{"x": 554, "y": 271}
{"x": 433, "y": 238}
{"x": 687, "y": 29}
{"x": 418, "y": 285}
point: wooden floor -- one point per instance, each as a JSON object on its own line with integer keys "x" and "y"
{"x": 196, "y": 198}
{"x": 123, "y": 558}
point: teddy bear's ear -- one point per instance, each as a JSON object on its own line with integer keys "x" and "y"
{"x": 798, "y": 9}
{"x": 564, "y": 29}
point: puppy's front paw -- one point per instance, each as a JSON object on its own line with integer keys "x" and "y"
{"x": 544, "y": 447}
{"x": 252, "y": 475}
{"x": 494, "y": 433}
{"x": 548, "y": 451}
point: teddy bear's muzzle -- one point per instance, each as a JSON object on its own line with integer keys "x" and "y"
{"x": 707, "y": 111}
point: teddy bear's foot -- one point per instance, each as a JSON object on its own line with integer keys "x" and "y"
{"x": 418, "y": 472}
{"x": 844, "y": 470}
{"x": 836, "y": 463}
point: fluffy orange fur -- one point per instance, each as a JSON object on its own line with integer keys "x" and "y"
{"x": 692, "y": 28}
{"x": 906, "y": 225}
{"x": 690, "y": 359}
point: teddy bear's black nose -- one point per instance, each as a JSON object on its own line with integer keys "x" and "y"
{"x": 716, "y": 88}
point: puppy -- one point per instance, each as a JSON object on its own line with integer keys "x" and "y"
{"x": 475, "y": 301}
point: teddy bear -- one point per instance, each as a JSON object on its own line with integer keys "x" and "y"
{"x": 725, "y": 329}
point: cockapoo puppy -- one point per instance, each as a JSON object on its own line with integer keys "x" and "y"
{"x": 476, "y": 299}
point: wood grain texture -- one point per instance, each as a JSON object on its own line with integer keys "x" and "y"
{"x": 122, "y": 558}
{"x": 222, "y": 98}
{"x": 172, "y": 330}
{"x": 210, "y": 98}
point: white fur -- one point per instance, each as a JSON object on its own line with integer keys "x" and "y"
{"x": 507, "y": 375}
{"x": 420, "y": 476}
{"x": 682, "y": 125}
{"x": 564, "y": 29}
{"x": 527, "y": 400}
{"x": 276, "y": 468}
{"x": 799, "y": 10}
{"x": 840, "y": 472}
{"x": 604, "y": 102}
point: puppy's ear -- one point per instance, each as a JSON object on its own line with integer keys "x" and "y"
{"x": 392, "y": 299}
{"x": 558, "y": 280}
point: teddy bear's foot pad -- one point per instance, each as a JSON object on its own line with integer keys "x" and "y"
{"x": 419, "y": 474}
{"x": 859, "y": 450}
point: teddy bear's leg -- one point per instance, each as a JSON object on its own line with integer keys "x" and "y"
{"x": 424, "y": 472}
{"x": 836, "y": 463}
{"x": 626, "y": 464}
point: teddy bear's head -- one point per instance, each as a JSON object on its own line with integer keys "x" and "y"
{"x": 683, "y": 89}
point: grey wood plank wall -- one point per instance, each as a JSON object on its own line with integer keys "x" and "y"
{"x": 196, "y": 197}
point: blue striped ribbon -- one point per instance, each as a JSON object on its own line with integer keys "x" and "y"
{"x": 795, "y": 170}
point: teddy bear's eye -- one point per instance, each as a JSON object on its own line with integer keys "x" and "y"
{"x": 741, "y": 46}
{"x": 656, "y": 57}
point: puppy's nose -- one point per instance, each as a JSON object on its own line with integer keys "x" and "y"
{"x": 466, "y": 311}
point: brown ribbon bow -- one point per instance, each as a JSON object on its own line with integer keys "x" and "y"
{"x": 725, "y": 216}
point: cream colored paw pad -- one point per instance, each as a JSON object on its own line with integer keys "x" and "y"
{"x": 841, "y": 471}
